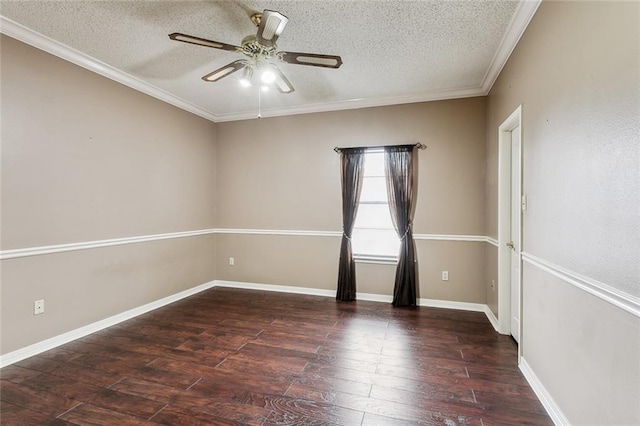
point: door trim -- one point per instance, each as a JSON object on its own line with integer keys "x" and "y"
{"x": 504, "y": 220}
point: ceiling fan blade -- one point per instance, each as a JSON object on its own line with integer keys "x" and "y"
{"x": 271, "y": 25}
{"x": 228, "y": 69}
{"x": 185, "y": 38}
{"x": 282, "y": 84}
{"x": 313, "y": 59}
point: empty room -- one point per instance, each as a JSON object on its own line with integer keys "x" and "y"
{"x": 320, "y": 212}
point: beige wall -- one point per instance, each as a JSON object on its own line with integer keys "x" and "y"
{"x": 107, "y": 162}
{"x": 282, "y": 174}
{"x": 575, "y": 71}
{"x": 84, "y": 159}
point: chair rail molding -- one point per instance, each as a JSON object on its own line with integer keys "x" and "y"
{"x": 85, "y": 245}
{"x": 61, "y": 248}
{"x": 620, "y": 299}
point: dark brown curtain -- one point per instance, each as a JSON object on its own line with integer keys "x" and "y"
{"x": 398, "y": 169}
{"x": 351, "y": 169}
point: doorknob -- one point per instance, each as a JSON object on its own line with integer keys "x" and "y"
{"x": 511, "y": 246}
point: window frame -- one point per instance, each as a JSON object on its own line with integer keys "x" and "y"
{"x": 368, "y": 257}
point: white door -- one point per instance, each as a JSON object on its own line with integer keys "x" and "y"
{"x": 515, "y": 233}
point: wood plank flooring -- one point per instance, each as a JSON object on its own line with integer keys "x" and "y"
{"x": 241, "y": 357}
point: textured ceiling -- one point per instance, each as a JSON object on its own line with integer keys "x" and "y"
{"x": 393, "y": 51}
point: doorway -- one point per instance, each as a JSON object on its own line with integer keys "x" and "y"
{"x": 510, "y": 225}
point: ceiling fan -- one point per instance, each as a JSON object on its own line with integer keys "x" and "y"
{"x": 261, "y": 52}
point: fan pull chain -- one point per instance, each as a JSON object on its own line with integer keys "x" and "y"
{"x": 259, "y": 102}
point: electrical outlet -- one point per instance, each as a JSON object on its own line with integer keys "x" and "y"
{"x": 445, "y": 275}
{"x": 232, "y": 261}
{"x": 38, "y": 307}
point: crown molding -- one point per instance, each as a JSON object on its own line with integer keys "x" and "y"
{"x": 525, "y": 11}
{"x": 519, "y": 23}
{"x": 49, "y": 45}
{"x": 355, "y": 104}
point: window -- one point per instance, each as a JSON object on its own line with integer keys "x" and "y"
{"x": 373, "y": 234}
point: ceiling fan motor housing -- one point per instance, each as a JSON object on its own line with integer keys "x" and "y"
{"x": 260, "y": 50}
{"x": 253, "y": 49}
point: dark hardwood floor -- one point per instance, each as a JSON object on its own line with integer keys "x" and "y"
{"x": 232, "y": 357}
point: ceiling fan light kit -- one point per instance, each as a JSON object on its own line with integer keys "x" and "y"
{"x": 268, "y": 74}
{"x": 247, "y": 77}
{"x": 261, "y": 52}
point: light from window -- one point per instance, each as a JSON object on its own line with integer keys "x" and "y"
{"x": 373, "y": 232}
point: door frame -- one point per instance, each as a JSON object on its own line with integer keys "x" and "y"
{"x": 504, "y": 222}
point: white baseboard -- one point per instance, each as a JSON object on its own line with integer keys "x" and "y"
{"x": 277, "y": 288}
{"x": 61, "y": 339}
{"x": 492, "y": 318}
{"x": 45, "y": 345}
{"x": 449, "y": 304}
{"x": 370, "y": 297}
{"x": 541, "y": 392}
{"x": 298, "y": 290}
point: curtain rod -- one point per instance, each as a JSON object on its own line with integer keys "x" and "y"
{"x": 417, "y": 145}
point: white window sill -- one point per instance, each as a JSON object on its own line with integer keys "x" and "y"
{"x": 378, "y": 260}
